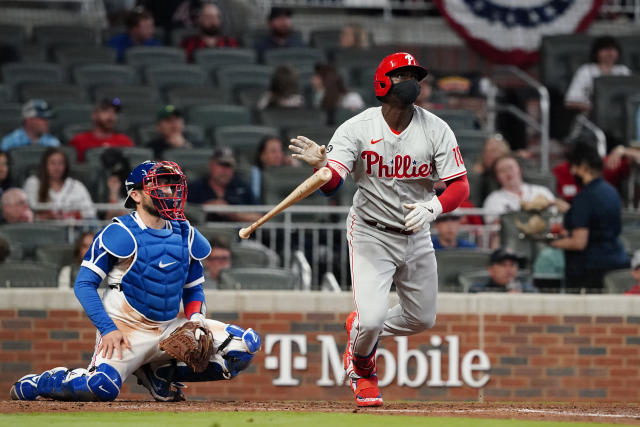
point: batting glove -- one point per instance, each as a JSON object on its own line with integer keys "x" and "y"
{"x": 421, "y": 213}
{"x": 308, "y": 151}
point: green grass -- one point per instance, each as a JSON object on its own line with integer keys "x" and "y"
{"x": 247, "y": 419}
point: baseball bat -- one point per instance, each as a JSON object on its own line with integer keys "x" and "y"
{"x": 308, "y": 186}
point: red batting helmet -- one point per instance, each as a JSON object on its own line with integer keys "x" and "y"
{"x": 382, "y": 82}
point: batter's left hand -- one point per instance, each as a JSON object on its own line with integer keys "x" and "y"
{"x": 421, "y": 213}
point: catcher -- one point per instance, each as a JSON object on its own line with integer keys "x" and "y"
{"x": 151, "y": 262}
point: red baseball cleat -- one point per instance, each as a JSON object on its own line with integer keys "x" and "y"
{"x": 366, "y": 391}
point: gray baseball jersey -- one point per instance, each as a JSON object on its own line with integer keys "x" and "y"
{"x": 390, "y": 169}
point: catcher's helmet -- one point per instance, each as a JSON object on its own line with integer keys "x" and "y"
{"x": 164, "y": 182}
{"x": 382, "y": 82}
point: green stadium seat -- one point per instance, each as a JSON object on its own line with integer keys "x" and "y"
{"x": 631, "y": 240}
{"x": 70, "y": 113}
{"x": 252, "y": 254}
{"x": 296, "y": 57}
{"x": 292, "y": 118}
{"x": 560, "y": 57}
{"x": 14, "y": 35}
{"x": 59, "y": 254}
{"x": 257, "y": 279}
{"x": 18, "y": 73}
{"x": 169, "y": 76}
{"x": 28, "y": 275}
{"x": 54, "y": 93}
{"x": 144, "y": 56}
{"x": 185, "y": 97}
{"x": 319, "y": 134}
{"x": 128, "y": 95}
{"x": 73, "y": 56}
{"x": 91, "y": 76}
{"x": 211, "y": 60}
{"x": 458, "y": 119}
{"x": 610, "y": 94}
{"x": 232, "y": 78}
{"x": 539, "y": 178}
{"x": 193, "y": 133}
{"x": 618, "y": 281}
{"x": 210, "y": 232}
{"x": 212, "y": 116}
{"x": 632, "y": 108}
{"x": 33, "y": 235}
{"x": 451, "y": 263}
{"x": 192, "y": 160}
{"x": 135, "y": 155}
{"x": 630, "y": 46}
{"x": 57, "y": 35}
{"x": 243, "y": 140}
{"x": 11, "y": 111}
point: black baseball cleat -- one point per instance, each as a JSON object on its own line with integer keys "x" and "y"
{"x": 161, "y": 389}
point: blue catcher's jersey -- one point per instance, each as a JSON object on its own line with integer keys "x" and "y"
{"x": 152, "y": 266}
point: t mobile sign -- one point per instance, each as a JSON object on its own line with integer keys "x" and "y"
{"x": 469, "y": 369}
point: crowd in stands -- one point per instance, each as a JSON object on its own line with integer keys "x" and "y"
{"x": 585, "y": 192}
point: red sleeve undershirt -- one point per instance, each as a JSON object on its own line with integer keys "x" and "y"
{"x": 457, "y": 191}
{"x": 191, "y": 308}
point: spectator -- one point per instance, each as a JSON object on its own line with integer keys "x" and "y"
{"x": 117, "y": 169}
{"x": 219, "y": 259}
{"x": 430, "y": 98}
{"x": 353, "y": 36}
{"x": 68, "y": 273}
{"x": 284, "y": 90}
{"x": 69, "y": 197}
{"x": 222, "y": 187}
{"x": 5, "y": 172}
{"x": 171, "y": 130}
{"x": 15, "y": 206}
{"x": 280, "y": 32}
{"x": 448, "y": 227}
{"x": 209, "y": 23}
{"x": 140, "y": 28}
{"x": 35, "y": 127}
{"x": 495, "y": 146}
{"x": 593, "y": 222}
{"x": 269, "y": 154}
{"x": 330, "y": 93}
{"x": 103, "y": 134}
{"x": 513, "y": 191}
{"x": 635, "y": 272}
{"x": 605, "y": 52}
{"x": 503, "y": 275}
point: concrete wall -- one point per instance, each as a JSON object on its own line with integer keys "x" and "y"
{"x": 537, "y": 347}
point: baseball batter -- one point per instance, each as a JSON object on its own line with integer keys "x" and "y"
{"x": 395, "y": 154}
{"x": 151, "y": 262}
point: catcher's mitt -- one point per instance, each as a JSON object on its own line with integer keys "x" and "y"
{"x": 192, "y": 344}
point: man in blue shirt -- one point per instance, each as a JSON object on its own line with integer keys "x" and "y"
{"x": 594, "y": 223}
{"x": 140, "y": 29}
{"x": 34, "y": 131}
{"x": 447, "y": 227}
{"x": 280, "y": 32}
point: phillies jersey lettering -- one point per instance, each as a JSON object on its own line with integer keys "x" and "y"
{"x": 392, "y": 168}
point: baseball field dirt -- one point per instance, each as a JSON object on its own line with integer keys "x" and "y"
{"x": 305, "y": 412}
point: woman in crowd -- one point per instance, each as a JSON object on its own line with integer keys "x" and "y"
{"x": 330, "y": 93}
{"x": 268, "y": 155}
{"x": 53, "y": 185}
{"x": 284, "y": 90}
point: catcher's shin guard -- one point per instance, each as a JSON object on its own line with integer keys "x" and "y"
{"x": 26, "y": 388}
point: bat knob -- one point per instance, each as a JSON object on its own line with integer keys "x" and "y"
{"x": 244, "y": 233}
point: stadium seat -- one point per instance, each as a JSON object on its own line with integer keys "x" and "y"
{"x": 458, "y": 119}
{"x": 58, "y": 35}
{"x": 13, "y": 35}
{"x": 630, "y": 46}
{"x": 72, "y": 56}
{"x": 211, "y": 60}
{"x": 296, "y": 57}
{"x": 18, "y": 73}
{"x": 33, "y": 235}
{"x": 128, "y": 95}
{"x": 253, "y": 254}
{"x": 356, "y": 61}
{"x": 72, "y": 129}
{"x": 70, "y": 113}
{"x": 135, "y": 155}
{"x": 320, "y": 134}
{"x": 532, "y": 176}
{"x": 193, "y": 133}
{"x": 194, "y": 213}
{"x": 210, "y": 232}
{"x": 25, "y": 160}
{"x": 249, "y": 96}
{"x": 631, "y": 240}
{"x": 560, "y": 57}
{"x": 179, "y": 34}
{"x": 143, "y": 56}
{"x": 212, "y": 116}
{"x": 257, "y": 279}
{"x": 465, "y": 280}
{"x": 618, "y": 281}
{"x": 169, "y": 76}
{"x": 278, "y": 182}
{"x": 194, "y": 160}
{"x": 9, "y": 125}
{"x": 249, "y": 37}
{"x": 325, "y": 39}
{"x": 471, "y": 143}
{"x": 630, "y": 220}
{"x": 54, "y": 93}
{"x": 292, "y": 118}
{"x": 59, "y": 254}
{"x": 510, "y": 235}
{"x": 91, "y": 76}
{"x": 86, "y": 174}
{"x": 235, "y": 77}
{"x": 451, "y": 263}
{"x": 28, "y": 275}
{"x": 185, "y": 97}
{"x": 5, "y": 93}
{"x": 243, "y": 140}
{"x": 138, "y": 114}
{"x": 610, "y": 95}
{"x": 11, "y": 111}
{"x": 344, "y": 114}
{"x": 632, "y": 108}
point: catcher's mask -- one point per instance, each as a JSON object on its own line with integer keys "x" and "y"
{"x": 165, "y": 183}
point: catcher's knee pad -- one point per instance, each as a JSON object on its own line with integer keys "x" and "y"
{"x": 104, "y": 382}
{"x": 238, "y": 349}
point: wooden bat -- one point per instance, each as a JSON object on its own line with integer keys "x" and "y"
{"x": 308, "y": 186}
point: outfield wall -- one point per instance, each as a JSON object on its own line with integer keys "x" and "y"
{"x": 483, "y": 347}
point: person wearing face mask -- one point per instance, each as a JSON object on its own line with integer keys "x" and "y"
{"x": 210, "y": 25}
{"x": 396, "y": 154}
{"x": 593, "y": 223}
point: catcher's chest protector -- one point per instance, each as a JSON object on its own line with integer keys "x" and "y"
{"x": 153, "y": 284}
